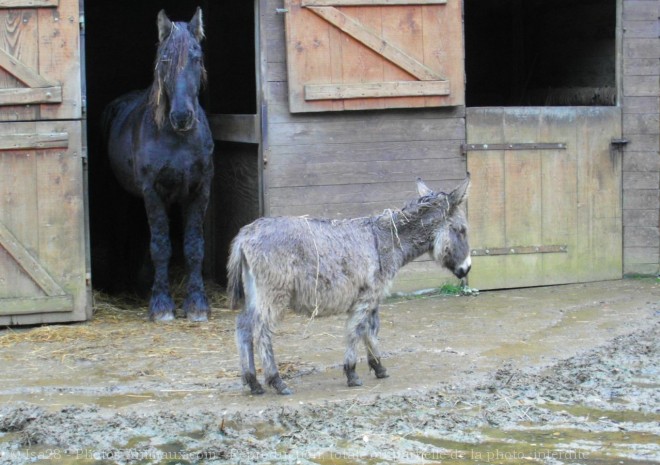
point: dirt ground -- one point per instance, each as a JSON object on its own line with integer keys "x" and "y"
{"x": 564, "y": 374}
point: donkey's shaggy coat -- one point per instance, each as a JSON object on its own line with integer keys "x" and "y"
{"x": 323, "y": 267}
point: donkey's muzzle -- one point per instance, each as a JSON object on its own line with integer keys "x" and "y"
{"x": 462, "y": 270}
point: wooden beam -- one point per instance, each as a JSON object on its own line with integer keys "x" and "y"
{"x": 22, "y": 72}
{"x": 27, "y": 305}
{"x": 34, "y": 141}
{"x": 235, "y": 128}
{"x": 375, "y": 89}
{"x": 27, "y": 95}
{"x": 28, "y": 263}
{"x": 376, "y": 43}
{"x": 370, "y": 2}
{"x": 29, "y": 3}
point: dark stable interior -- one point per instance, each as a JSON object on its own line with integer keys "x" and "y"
{"x": 540, "y": 52}
{"x": 120, "y": 47}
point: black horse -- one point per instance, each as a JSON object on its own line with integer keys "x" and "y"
{"x": 160, "y": 148}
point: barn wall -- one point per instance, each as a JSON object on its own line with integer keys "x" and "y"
{"x": 347, "y": 164}
{"x": 641, "y": 126}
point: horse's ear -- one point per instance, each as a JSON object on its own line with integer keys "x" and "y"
{"x": 164, "y": 26}
{"x": 422, "y": 188}
{"x": 459, "y": 194}
{"x": 196, "y": 25}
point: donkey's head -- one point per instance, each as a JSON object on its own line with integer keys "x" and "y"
{"x": 178, "y": 72}
{"x": 445, "y": 215}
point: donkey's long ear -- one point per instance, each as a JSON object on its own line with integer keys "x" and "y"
{"x": 164, "y": 26}
{"x": 422, "y": 188}
{"x": 459, "y": 194}
{"x": 196, "y": 25}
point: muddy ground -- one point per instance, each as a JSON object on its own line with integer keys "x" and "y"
{"x": 565, "y": 374}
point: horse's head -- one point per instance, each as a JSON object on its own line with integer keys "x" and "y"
{"x": 178, "y": 72}
{"x": 444, "y": 212}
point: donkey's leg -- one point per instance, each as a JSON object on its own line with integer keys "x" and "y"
{"x": 371, "y": 342}
{"x": 244, "y": 341}
{"x": 265, "y": 320}
{"x": 356, "y": 327}
{"x": 196, "y": 305}
{"x": 161, "y": 305}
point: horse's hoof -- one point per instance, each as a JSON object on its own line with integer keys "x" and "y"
{"x": 161, "y": 308}
{"x": 197, "y": 317}
{"x": 196, "y": 307}
{"x": 161, "y": 317}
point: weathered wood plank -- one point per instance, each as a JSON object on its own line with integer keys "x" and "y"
{"x": 377, "y": 43}
{"x": 375, "y": 89}
{"x": 370, "y": 2}
{"x": 394, "y": 192}
{"x": 30, "y": 305}
{"x": 439, "y": 150}
{"x": 34, "y": 141}
{"x": 29, "y": 3}
{"x": 371, "y": 130}
{"x": 360, "y": 172}
{"x": 27, "y": 96}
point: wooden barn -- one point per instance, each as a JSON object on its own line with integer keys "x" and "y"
{"x": 333, "y": 108}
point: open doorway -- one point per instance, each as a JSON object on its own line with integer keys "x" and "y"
{"x": 120, "y": 48}
{"x": 540, "y": 52}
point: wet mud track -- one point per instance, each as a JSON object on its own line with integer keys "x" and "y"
{"x": 564, "y": 374}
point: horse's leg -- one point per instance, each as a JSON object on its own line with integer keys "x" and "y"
{"x": 161, "y": 306}
{"x": 263, "y": 330}
{"x": 196, "y": 305}
{"x": 356, "y": 327}
{"x": 244, "y": 336}
{"x": 371, "y": 342}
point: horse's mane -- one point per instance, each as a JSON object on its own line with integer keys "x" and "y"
{"x": 171, "y": 57}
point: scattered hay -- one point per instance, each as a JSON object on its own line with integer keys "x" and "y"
{"x": 120, "y": 317}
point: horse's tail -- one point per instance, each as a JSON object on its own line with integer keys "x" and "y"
{"x": 235, "y": 289}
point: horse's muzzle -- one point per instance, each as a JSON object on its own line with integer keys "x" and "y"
{"x": 182, "y": 121}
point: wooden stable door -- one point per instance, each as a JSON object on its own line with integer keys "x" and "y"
{"x": 545, "y": 202}
{"x": 371, "y": 54}
{"x": 43, "y": 266}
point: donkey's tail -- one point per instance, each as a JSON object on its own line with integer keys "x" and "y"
{"x": 235, "y": 289}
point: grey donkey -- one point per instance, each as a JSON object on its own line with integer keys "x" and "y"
{"x": 322, "y": 267}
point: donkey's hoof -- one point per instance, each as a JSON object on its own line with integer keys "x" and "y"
{"x": 280, "y": 386}
{"x": 251, "y": 380}
{"x": 354, "y": 382}
{"x": 286, "y": 391}
{"x": 381, "y": 372}
{"x": 257, "y": 390}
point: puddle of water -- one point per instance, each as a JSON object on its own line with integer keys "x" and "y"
{"x": 530, "y": 446}
{"x": 54, "y": 402}
{"x": 618, "y": 416}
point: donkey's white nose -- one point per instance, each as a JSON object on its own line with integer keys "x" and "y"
{"x": 464, "y": 268}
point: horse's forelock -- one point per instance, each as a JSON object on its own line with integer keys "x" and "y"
{"x": 171, "y": 57}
